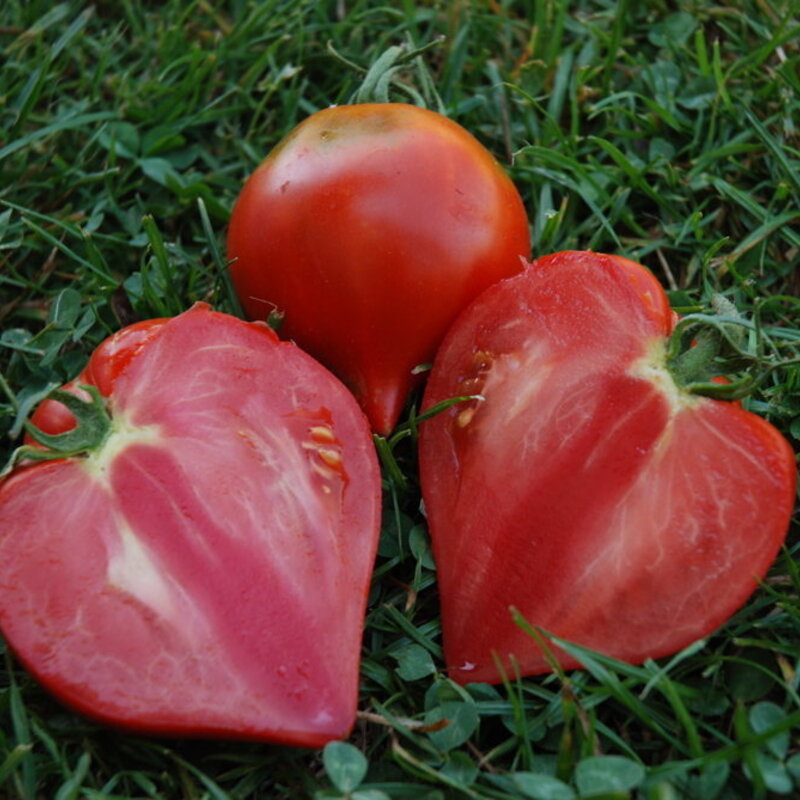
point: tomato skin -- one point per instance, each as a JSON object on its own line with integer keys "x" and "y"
{"x": 106, "y": 363}
{"x": 205, "y": 572}
{"x": 586, "y": 490}
{"x": 372, "y": 226}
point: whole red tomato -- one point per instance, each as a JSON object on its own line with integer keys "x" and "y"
{"x": 586, "y": 488}
{"x": 371, "y": 226}
{"x": 203, "y": 569}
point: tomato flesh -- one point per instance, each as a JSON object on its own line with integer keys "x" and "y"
{"x": 587, "y": 490}
{"x": 371, "y": 227}
{"x": 205, "y": 571}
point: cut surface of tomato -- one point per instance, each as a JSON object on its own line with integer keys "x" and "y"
{"x": 371, "y": 226}
{"x": 204, "y": 572}
{"x": 585, "y": 489}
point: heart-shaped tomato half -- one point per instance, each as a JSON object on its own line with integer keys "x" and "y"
{"x": 586, "y": 489}
{"x": 204, "y": 571}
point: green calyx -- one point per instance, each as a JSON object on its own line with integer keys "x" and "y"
{"x": 705, "y": 347}
{"x": 92, "y": 427}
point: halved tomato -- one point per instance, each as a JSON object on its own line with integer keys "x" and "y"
{"x": 585, "y": 488}
{"x": 204, "y": 570}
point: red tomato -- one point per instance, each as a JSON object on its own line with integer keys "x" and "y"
{"x": 609, "y": 506}
{"x": 205, "y": 571}
{"x": 371, "y": 227}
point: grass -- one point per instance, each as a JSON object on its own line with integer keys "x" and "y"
{"x": 664, "y": 131}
